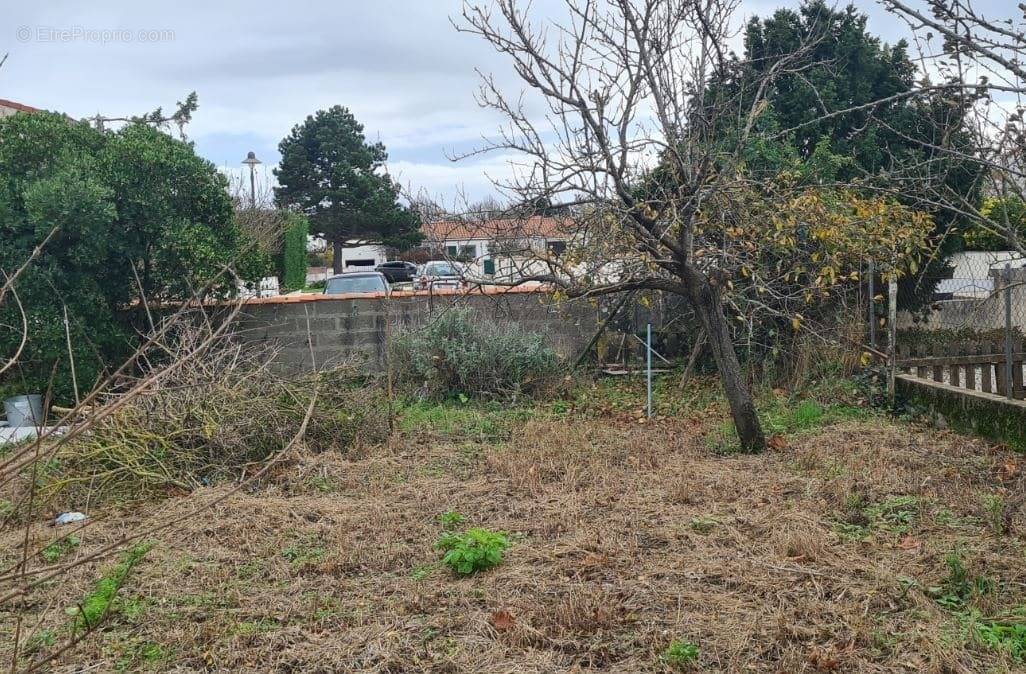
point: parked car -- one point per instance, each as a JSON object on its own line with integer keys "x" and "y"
{"x": 441, "y": 274}
{"x": 357, "y": 283}
{"x": 397, "y": 271}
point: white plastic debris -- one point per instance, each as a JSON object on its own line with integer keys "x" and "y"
{"x": 68, "y": 518}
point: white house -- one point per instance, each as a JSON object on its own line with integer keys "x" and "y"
{"x": 502, "y": 249}
{"x": 357, "y": 256}
{"x": 975, "y": 272}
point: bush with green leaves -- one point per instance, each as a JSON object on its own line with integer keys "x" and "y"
{"x": 292, "y": 262}
{"x": 459, "y": 352}
{"x": 473, "y": 550}
{"x": 124, "y": 214}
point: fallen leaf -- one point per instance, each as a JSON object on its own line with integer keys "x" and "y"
{"x": 502, "y": 620}
{"x": 909, "y": 543}
{"x": 1008, "y": 470}
{"x": 823, "y": 661}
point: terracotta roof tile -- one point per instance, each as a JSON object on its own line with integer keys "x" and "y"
{"x": 21, "y": 107}
{"x": 535, "y": 226}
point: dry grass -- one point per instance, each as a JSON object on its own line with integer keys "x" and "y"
{"x": 626, "y": 537}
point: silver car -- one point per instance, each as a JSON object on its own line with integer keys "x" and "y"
{"x": 357, "y": 283}
{"x": 441, "y": 274}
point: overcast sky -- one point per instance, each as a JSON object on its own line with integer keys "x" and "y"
{"x": 259, "y": 67}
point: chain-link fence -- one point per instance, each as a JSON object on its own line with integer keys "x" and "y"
{"x": 963, "y": 328}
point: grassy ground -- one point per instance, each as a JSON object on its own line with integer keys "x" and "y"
{"x": 856, "y": 544}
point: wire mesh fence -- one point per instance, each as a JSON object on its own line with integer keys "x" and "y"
{"x": 965, "y": 327}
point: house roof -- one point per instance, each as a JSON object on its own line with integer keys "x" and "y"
{"x": 534, "y": 226}
{"x": 20, "y": 107}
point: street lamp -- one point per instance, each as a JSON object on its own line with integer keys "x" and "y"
{"x": 252, "y": 162}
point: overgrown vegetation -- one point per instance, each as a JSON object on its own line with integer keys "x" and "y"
{"x": 133, "y": 214}
{"x": 631, "y": 526}
{"x": 210, "y": 419}
{"x": 458, "y": 353}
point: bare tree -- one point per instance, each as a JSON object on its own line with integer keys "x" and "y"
{"x": 624, "y": 86}
{"x": 978, "y": 62}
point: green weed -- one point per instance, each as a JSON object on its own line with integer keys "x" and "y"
{"x": 62, "y": 546}
{"x": 488, "y": 421}
{"x": 262, "y": 626}
{"x": 100, "y": 602}
{"x": 322, "y": 484}
{"x": 473, "y": 550}
{"x": 138, "y": 655}
{"x": 423, "y": 571}
{"x": 894, "y": 515}
{"x": 41, "y": 640}
{"x": 994, "y": 511}
{"x": 302, "y": 554}
{"x": 680, "y": 654}
{"x": 1008, "y": 635}
{"x": 959, "y": 586}
{"x": 703, "y": 524}
{"x": 723, "y": 440}
{"x": 451, "y": 519}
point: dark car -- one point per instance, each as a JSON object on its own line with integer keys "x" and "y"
{"x": 397, "y": 271}
{"x": 357, "y": 283}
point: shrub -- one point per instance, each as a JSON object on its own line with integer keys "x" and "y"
{"x": 206, "y": 420}
{"x": 459, "y": 353}
{"x": 473, "y": 550}
{"x": 292, "y": 262}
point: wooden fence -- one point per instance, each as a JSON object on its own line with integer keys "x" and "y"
{"x": 977, "y": 366}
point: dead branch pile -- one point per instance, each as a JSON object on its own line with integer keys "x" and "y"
{"x": 208, "y": 420}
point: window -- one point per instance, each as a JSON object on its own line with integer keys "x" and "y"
{"x": 468, "y": 252}
{"x": 489, "y": 267}
{"x": 557, "y": 248}
{"x": 360, "y": 263}
{"x": 453, "y": 251}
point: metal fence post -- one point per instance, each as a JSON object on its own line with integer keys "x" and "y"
{"x": 892, "y": 335}
{"x": 648, "y": 347}
{"x": 872, "y": 312}
{"x": 1008, "y": 331}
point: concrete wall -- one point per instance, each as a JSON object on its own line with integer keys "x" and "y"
{"x": 341, "y": 328}
{"x": 975, "y": 412}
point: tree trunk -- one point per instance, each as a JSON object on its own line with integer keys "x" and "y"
{"x": 336, "y": 257}
{"x": 706, "y": 301}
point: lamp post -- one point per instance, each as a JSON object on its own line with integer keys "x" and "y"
{"x": 252, "y": 162}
